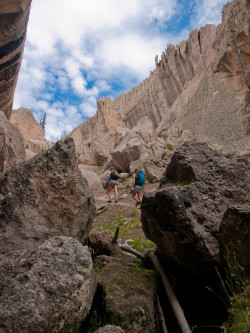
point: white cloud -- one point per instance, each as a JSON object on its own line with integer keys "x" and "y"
{"x": 132, "y": 52}
{"x": 77, "y": 51}
{"x": 208, "y": 12}
{"x": 88, "y": 109}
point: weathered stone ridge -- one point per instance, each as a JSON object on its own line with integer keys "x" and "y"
{"x": 14, "y": 16}
{"x": 177, "y": 67}
{"x": 199, "y": 90}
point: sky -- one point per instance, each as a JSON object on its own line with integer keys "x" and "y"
{"x": 78, "y": 51}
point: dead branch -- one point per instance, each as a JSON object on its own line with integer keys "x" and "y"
{"x": 161, "y": 315}
{"x": 114, "y": 240}
{"x": 127, "y": 248}
{"x": 171, "y": 296}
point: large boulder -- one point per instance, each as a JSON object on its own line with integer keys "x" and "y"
{"x": 44, "y": 197}
{"x": 129, "y": 293}
{"x": 140, "y": 143}
{"x": 12, "y": 149}
{"x": 183, "y": 217}
{"x": 49, "y": 289}
{"x": 130, "y": 149}
{"x": 234, "y": 236}
{"x": 94, "y": 182}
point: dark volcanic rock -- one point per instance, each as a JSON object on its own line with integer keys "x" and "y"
{"x": 49, "y": 289}
{"x": 130, "y": 293}
{"x": 101, "y": 243}
{"x": 43, "y": 197}
{"x": 183, "y": 217}
{"x": 234, "y": 235}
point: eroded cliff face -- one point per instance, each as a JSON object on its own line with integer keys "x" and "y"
{"x": 14, "y": 16}
{"x": 199, "y": 90}
{"x": 32, "y": 132}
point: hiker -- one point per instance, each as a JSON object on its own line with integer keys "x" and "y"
{"x": 133, "y": 180}
{"x": 138, "y": 186}
{"x": 112, "y": 183}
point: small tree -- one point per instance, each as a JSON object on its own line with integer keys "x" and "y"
{"x": 43, "y": 120}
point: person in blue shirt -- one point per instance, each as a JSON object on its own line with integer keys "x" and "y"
{"x": 138, "y": 182}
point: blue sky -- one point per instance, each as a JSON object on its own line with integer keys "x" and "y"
{"x": 79, "y": 51}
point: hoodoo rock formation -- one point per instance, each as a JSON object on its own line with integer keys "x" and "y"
{"x": 199, "y": 90}
{"x": 32, "y": 132}
{"x": 14, "y": 15}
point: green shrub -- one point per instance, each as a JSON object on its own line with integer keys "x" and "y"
{"x": 169, "y": 146}
{"x": 239, "y": 318}
{"x": 236, "y": 291}
{"x": 142, "y": 245}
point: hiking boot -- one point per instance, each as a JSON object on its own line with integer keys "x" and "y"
{"x": 137, "y": 203}
{"x": 109, "y": 201}
{"x": 116, "y": 201}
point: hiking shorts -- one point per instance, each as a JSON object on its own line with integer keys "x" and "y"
{"x": 113, "y": 183}
{"x": 138, "y": 188}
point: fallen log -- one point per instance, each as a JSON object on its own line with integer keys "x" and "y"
{"x": 171, "y": 296}
{"x": 178, "y": 312}
{"x": 161, "y": 315}
{"x": 127, "y": 248}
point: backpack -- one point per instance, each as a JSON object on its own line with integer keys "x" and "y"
{"x": 114, "y": 175}
{"x": 140, "y": 178}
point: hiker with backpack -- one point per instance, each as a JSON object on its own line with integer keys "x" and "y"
{"x": 132, "y": 182}
{"x": 112, "y": 183}
{"x": 139, "y": 180}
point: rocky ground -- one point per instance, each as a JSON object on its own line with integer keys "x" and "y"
{"x": 127, "y": 287}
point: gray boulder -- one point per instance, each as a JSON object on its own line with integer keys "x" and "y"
{"x": 140, "y": 143}
{"x": 183, "y": 217}
{"x": 49, "y": 289}
{"x": 130, "y": 293}
{"x": 94, "y": 182}
{"x": 44, "y": 197}
{"x": 234, "y": 235}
